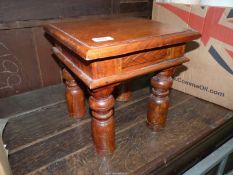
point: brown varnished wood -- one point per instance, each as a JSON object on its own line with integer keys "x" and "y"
{"x": 76, "y": 60}
{"x": 102, "y": 103}
{"x": 124, "y": 91}
{"x": 158, "y": 101}
{"x": 177, "y": 51}
{"x": 149, "y": 34}
{"x": 113, "y": 67}
{"x": 115, "y": 78}
{"x": 129, "y": 53}
{"x": 74, "y": 96}
{"x": 144, "y": 58}
{"x": 121, "y": 68}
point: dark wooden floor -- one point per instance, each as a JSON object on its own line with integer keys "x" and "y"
{"x": 42, "y": 139}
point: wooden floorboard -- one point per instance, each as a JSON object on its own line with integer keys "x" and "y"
{"x": 43, "y": 123}
{"x": 22, "y": 104}
{"x": 55, "y": 147}
{"x": 44, "y": 140}
{"x": 137, "y": 145}
{"x": 47, "y": 122}
{"x": 190, "y": 154}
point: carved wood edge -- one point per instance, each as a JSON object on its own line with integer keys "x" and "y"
{"x": 96, "y": 83}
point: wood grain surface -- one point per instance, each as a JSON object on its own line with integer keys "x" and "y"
{"x": 75, "y": 97}
{"x": 78, "y": 36}
{"x": 39, "y": 142}
{"x": 14, "y": 106}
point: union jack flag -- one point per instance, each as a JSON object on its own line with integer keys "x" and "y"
{"x": 216, "y": 26}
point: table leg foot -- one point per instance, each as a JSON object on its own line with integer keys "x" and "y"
{"x": 74, "y": 96}
{"x": 158, "y": 100}
{"x": 124, "y": 91}
{"x": 101, "y": 103}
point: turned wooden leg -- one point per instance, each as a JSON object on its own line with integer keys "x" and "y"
{"x": 158, "y": 101}
{"x": 74, "y": 96}
{"x": 124, "y": 91}
{"x": 103, "y": 126}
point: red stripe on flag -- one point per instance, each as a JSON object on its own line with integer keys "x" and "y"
{"x": 194, "y": 21}
{"x": 212, "y": 27}
{"x": 230, "y": 53}
{"x": 179, "y": 12}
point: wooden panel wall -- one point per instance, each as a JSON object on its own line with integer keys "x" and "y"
{"x": 26, "y": 62}
{"x": 15, "y": 10}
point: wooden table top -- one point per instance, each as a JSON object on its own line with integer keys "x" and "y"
{"x": 95, "y": 38}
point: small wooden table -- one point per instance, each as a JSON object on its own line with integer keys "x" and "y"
{"x": 106, "y": 51}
